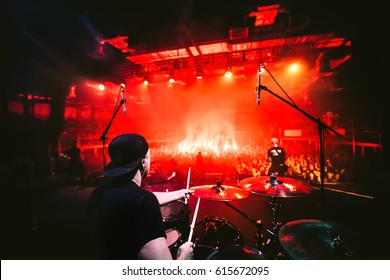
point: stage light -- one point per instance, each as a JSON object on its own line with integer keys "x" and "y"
{"x": 199, "y": 74}
{"x": 171, "y": 78}
{"x": 146, "y": 80}
{"x": 228, "y": 72}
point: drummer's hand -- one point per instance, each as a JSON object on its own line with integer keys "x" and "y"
{"x": 186, "y": 251}
{"x": 184, "y": 193}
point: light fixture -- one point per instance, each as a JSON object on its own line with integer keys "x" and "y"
{"x": 199, "y": 74}
{"x": 228, "y": 72}
{"x": 146, "y": 80}
{"x": 171, "y": 78}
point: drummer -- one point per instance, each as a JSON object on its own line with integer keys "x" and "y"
{"x": 123, "y": 220}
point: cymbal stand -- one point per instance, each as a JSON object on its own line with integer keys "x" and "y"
{"x": 259, "y": 225}
{"x": 273, "y": 241}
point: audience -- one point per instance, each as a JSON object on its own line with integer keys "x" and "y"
{"x": 247, "y": 161}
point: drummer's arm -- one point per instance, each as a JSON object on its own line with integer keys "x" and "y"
{"x": 166, "y": 197}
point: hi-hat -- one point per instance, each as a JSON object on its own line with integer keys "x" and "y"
{"x": 219, "y": 192}
{"x": 273, "y": 186}
{"x": 309, "y": 239}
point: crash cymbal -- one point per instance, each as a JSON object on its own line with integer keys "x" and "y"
{"x": 320, "y": 240}
{"x": 219, "y": 192}
{"x": 275, "y": 186}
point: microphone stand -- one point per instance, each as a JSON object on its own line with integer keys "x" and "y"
{"x": 321, "y": 127}
{"x": 103, "y": 137}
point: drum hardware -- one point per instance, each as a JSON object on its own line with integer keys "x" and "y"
{"x": 261, "y": 244}
{"x": 272, "y": 243}
{"x": 267, "y": 185}
{"x": 259, "y": 234}
{"x": 275, "y": 188}
{"x": 211, "y": 239}
{"x": 259, "y": 226}
{"x": 226, "y": 193}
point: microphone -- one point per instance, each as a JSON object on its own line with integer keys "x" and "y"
{"x": 123, "y": 98}
{"x": 258, "y": 83}
{"x": 170, "y": 177}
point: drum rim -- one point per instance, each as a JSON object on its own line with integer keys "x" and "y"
{"x": 256, "y": 251}
{"x": 223, "y": 220}
{"x": 177, "y": 240}
{"x": 185, "y": 213}
{"x": 238, "y": 238}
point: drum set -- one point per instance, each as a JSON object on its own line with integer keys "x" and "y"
{"x": 218, "y": 239}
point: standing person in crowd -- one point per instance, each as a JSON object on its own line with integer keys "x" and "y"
{"x": 123, "y": 220}
{"x": 276, "y": 155}
{"x": 75, "y": 171}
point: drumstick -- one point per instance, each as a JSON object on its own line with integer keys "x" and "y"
{"x": 193, "y": 220}
{"x": 188, "y": 183}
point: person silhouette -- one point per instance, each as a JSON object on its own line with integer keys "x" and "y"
{"x": 276, "y": 155}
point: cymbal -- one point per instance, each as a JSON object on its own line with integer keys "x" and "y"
{"x": 273, "y": 186}
{"x": 219, "y": 192}
{"x": 310, "y": 239}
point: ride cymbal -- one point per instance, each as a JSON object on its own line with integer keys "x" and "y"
{"x": 273, "y": 186}
{"x": 219, "y": 192}
{"x": 310, "y": 239}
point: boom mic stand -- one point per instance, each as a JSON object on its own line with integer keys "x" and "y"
{"x": 103, "y": 137}
{"x": 321, "y": 128}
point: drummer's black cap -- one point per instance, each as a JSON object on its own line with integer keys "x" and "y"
{"x": 126, "y": 153}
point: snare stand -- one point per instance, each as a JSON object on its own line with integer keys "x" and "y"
{"x": 272, "y": 246}
{"x": 259, "y": 225}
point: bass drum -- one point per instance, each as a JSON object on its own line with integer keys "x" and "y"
{"x": 214, "y": 233}
{"x": 236, "y": 252}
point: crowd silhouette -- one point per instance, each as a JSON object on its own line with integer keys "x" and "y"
{"x": 250, "y": 161}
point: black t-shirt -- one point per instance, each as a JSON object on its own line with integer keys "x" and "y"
{"x": 277, "y": 155}
{"x": 120, "y": 220}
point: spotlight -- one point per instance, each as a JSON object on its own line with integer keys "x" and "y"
{"x": 199, "y": 74}
{"x": 228, "y": 72}
{"x": 171, "y": 78}
{"x": 101, "y": 87}
{"x": 146, "y": 80}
